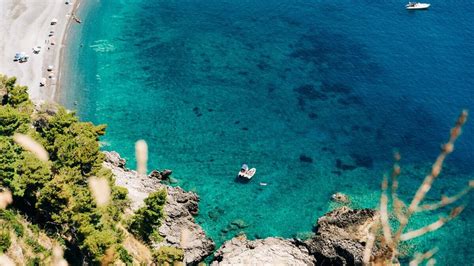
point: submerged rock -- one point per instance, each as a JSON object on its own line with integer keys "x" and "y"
{"x": 269, "y": 251}
{"x": 362, "y": 160}
{"x": 178, "y": 228}
{"x": 340, "y": 197}
{"x": 239, "y": 223}
{"x": 343, "y": 166}
{"x": 305, "y": 159}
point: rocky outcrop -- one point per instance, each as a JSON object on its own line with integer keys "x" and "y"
{"x": 178, "y": 229}
{"x": 341, "y": 236}
{"x": 269, "y": 251}
{"x": 339, "y": 240}
{"x": 340, "y": 198}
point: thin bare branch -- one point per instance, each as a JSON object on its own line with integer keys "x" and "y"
{"x": 369, "y": 245}
{"x": 433, "y": 226}
{"x": 398, "y": 204}
{"x": 419, "y": 258}
{"x": 435, "y": 171}
{"x": 387, "y": 233}
{"x": 444, "y": 201}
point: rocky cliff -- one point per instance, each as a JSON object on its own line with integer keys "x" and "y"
{"x": 341, "y": 236}
{"x": 178, "y": 228}
{"x": 339, "y": 240}
{"x": 268, "y": 251}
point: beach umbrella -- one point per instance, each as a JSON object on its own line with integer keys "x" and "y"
{"x": 54, "y": 21}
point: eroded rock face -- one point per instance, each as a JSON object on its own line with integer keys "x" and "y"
{"x": 268, "y": 251}
{"x": 341, "y": 236}
{"x": 339, "y": 240}
{"x": 178, "y": 228}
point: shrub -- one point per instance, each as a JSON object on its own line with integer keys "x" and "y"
{"x": 13, "y": 95}
{"x": 5, "y": 240}
{"x": 124, "y": 256}
{"x": 35, "y": 245}
{"x": 56, "y": 192}
{"x": 168, "y": 255}
{"x": 10, "y": 120}
{"x": 148, "y": 218}
{"x": 11, "y": 220}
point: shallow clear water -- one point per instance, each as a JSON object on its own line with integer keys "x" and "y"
{"x": 289, "y": 87}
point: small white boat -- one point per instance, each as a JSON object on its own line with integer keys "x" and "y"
{"x": 417, "y": 6}
{"x": 246, "y": 173}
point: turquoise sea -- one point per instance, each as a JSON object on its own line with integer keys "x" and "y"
{"x": 315, "y": 94}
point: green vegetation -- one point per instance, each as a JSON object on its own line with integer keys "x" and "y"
{"x": 16, "y": 234}
{"x": 124, "y": 256}
{"x": 5, "y": 240}
{"x": 148, "y": 218}
{"x": 55, "y": 195}
{"x": 168, "y": 255}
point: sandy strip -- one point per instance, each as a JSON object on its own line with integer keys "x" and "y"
{"x": 25, "y": 24}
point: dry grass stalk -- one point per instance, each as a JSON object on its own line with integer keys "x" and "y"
{"x": 6, "y": 261}
{"x": 433, "y": 226}
{"x": 58, "y": 257}
{"x": 6, "y": 198}
{"x": 404, "y": 214}
{"x": 387, "y": 233}
{"x": 419, "y": 258}
{"x": 31, "y": 145}
{"x": 398, "y": 204}
{"x": 100, "y": 190}
{"x": 430, "y": 178}
{"x": 445, "y": 200}
{"x": 369, "y": 245}
{"x": 184, "y": 238}
{"x": 141, "y": 153}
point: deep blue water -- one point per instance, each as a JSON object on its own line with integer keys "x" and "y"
{"x": 315, "y": 94}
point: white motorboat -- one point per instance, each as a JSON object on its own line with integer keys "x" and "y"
{"x": 246, "y": 173}
{"x": 417, "y": 6}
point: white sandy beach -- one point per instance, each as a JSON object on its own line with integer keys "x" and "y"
{"x": 25, "y": 24}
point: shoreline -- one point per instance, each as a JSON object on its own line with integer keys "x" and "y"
{"x": 61, "y": 56}
{"x": 26, "y": 25}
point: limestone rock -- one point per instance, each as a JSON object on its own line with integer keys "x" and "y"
{"x": 114, "y": 159}
{"x": 340, "y": 197}
{"x": 178, "y": 229}
{"x": 341, "y": 236}
{"x": 269, "y": 251}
